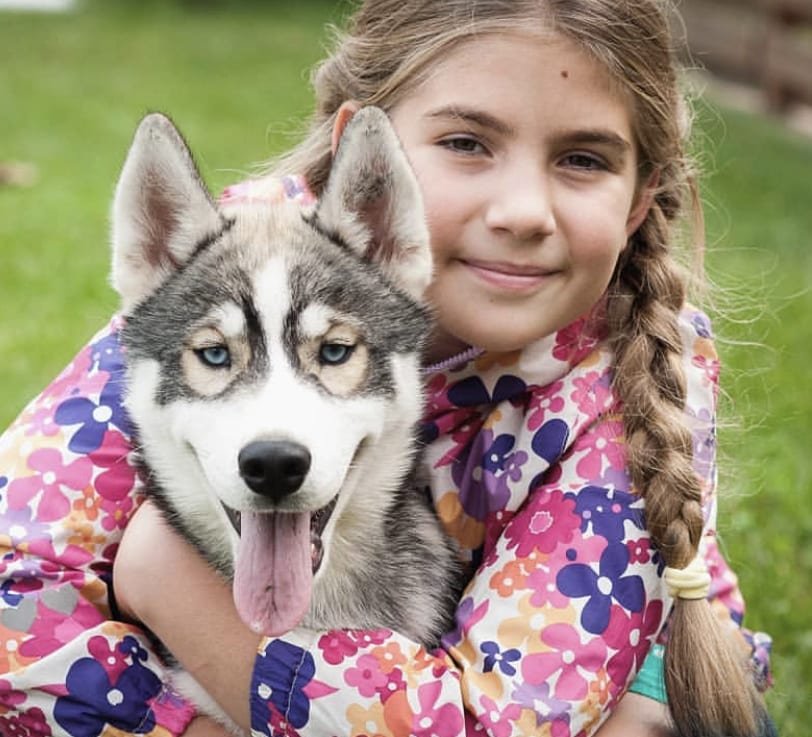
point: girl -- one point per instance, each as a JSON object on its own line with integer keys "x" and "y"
{"x": 571, "y": 395}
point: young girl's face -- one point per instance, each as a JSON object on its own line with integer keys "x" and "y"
{"x": 525, "y": 154}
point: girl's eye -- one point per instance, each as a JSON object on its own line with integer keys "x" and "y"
{"x": 463, "y": 145}
{"x": 215, "y": 356}
{"x": 334, "y": 354}
{"x": 587, "y": 162}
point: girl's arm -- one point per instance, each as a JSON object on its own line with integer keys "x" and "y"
{"x": 67, "y": 489}
{"x": 215, "y": 646}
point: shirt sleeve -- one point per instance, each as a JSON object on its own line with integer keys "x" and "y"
{"x": 67, "y": 489}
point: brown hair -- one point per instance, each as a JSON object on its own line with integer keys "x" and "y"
{"x": 385, "y": 52}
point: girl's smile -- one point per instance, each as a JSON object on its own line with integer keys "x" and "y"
{"x": 529, "y": 201}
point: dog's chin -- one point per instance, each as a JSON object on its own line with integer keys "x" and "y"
{"x": 318, "y": 524}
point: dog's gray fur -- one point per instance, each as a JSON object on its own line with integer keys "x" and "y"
{"x": 273, "y": 284}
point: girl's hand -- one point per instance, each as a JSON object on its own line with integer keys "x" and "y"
{"x": 160, "y": 580}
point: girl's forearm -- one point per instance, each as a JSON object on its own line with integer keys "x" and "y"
{"x": 189, "y": 607}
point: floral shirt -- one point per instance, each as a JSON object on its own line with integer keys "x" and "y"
{"x": 528, "y": 475}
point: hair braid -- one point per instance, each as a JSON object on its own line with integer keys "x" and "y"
{"x": 707, "y": 688}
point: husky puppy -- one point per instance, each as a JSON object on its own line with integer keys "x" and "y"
{"x": 274, "y": 383}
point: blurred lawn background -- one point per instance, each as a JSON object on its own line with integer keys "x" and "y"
{"x": 234, "y": 77}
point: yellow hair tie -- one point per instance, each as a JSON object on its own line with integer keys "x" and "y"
{"x": 691, "y": 582}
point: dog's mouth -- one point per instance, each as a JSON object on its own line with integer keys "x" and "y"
{"x": 318, "y": 523}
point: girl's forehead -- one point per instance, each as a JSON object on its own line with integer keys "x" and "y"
{"x": 521, "y": 74}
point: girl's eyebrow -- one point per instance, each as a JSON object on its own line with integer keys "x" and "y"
{"x": 595, "y": 136}
{"x": 481, "y": 118}
{"x": 473, "y": 116}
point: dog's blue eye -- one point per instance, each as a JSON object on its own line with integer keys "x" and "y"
{"x": 215, "y": 356}
{"x": 333, "y": 354}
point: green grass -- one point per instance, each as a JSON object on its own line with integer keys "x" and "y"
{"x": 233, "y": 75}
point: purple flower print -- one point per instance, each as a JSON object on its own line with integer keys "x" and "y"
{"x": 701, "y": 324}
{"x": 548, "y": 709}
{"x": 550, "y": 440}
{"x": 466, "y": 617}
{"x": 481, "y": 473}
{"x": 607, "y": 511}
{"x": 494, "y": 657}
{"x": 472, "y": 391}
{"x": 601, "y": 589}
{"x": 93, "y": 418}
{"x": 704, "y": 442}
{"x": 106, "y": 354}
{"x": 9, "y": 597}
{"x": 93, "y": 701}
{"x": 280, "y": 677}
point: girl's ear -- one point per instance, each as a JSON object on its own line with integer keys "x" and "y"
{"x": 343, "y": 116}
{"x": 642, "y": 203}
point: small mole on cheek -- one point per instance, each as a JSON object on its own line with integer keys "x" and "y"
{"x": 565, "y": 74}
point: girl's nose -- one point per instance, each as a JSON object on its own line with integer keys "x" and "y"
{"x": 523, "y": 207}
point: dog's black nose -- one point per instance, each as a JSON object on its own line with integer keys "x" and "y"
{"x": 274, "y": 468}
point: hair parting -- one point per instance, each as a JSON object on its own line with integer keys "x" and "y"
{"x": 385, "y": 52}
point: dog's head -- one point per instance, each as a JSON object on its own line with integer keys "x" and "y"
{"x": 271, "y": 348}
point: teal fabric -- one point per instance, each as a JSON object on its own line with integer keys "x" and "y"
{"x": 649, "y": 681}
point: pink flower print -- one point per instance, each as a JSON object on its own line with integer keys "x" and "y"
{"x": 28, "y": 723}
{"x": 639, "y": 550}
{"x": 117, "y": 513}
{"x": 709, "y": 366}
{"x": 543, "y": 403}
{"x": 114, "y": 660}
{"x": 10, "y": 698}
{"x": 42, "y": 423}
{"x": 367, "y": 677}
{"x": 50, "y": 478}
{"x": 434, "y": 721}
{"x": 569, "y": 340}
{"x": 52, "y": 628}
{"x": 547, "y": 522}
{"x": 74, "y": 375}
{"x": 498, "y": 721}
{"x": 545, "y": 592}
{"x": 337, "y": 645}
{"x": 602, "y": 447}
{"x": 593, "y": 394}
{"x": 118, "y": 478}
{"x": 630, "y": 635}
{"x": 568, "y": 657}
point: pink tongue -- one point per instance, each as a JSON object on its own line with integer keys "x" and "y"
{"x": 273, "y": 573}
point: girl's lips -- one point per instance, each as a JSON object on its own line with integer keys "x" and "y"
{"x": 513, "y": 277}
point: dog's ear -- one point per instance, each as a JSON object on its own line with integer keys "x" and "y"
{"x": 372, "y": 202}
{"x": 161, "y": 211}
